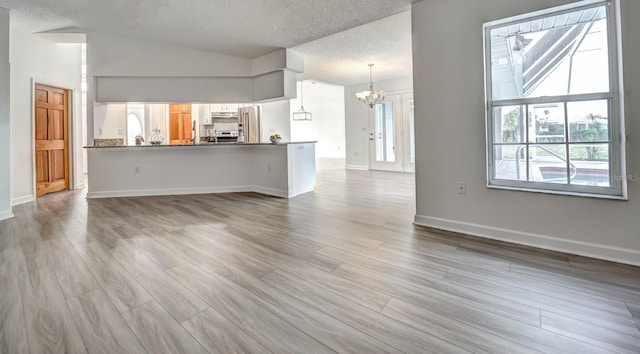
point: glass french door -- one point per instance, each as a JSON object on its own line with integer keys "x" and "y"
{"x": 392, "y": 134}
{"x": 408, "y": 134}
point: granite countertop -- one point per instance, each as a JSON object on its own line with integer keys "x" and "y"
{"x": 200, "y": 144}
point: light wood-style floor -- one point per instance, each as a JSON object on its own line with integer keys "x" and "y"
{"x": 341, "y": 269}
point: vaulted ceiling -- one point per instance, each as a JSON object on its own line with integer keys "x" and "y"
{"x": 243, "y": 28}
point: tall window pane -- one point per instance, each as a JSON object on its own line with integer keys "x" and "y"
{"x": 553, "y": 108}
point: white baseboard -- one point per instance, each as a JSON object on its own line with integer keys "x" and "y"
{"x": 270, "y": 191}
{"x": 7, "y": 214}
{"x": 593, "y": 250}
{"x": 181, "y": 191}
{"x": 168, "y": 191}
{"x": 22, "y": 200}
{"x": 357, "y": 167}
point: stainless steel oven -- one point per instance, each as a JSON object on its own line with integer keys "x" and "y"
{"x": 226, "y": 136}
{"x": 226, "y": 131}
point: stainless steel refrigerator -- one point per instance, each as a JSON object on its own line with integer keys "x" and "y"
{"x": 249, "y": 125}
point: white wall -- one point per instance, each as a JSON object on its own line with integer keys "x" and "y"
{"x": 450, "y": 141}
{"x": 275, "y": 118}
{"x": 110, "y": 120}
{"x": 326, "y": 104}
{"x": 357, "y": 117}
{"x": 5, "y": 121}
{"x": 35, "y": 58}
{"x": 109, "y": 55}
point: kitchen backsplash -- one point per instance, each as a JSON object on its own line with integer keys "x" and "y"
{"x": 108, "y": 142}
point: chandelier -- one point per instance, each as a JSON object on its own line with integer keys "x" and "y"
{"x": 370, "y": 97}
{"x": 301, "y": 114}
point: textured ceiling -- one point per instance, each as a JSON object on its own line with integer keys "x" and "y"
{"x": 343, "y": 58}
{"x": 337, "y": 37}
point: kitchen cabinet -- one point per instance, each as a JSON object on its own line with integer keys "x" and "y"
{"x": 179, "y": 124}
{"x": 205, "y": 115}
{"x": 223, "y": 107}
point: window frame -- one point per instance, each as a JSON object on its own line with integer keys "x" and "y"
{"x": 615, "y": 98}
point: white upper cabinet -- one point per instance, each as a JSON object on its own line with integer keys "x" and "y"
{"x": 223, "y": 107}
{"x": 205, "y": 114}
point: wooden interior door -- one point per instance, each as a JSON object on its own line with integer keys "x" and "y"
{"x": 51, "y": 129}
{"x": 179, "y": 123}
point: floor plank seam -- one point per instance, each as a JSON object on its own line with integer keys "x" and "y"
{"x": 286, "y": 321}
{"x": 24, "y": 319}
{"x": 543, "y": 281}
{"x": 199, "y": 313}
{"x": 385, "y": 304}
{"x": 626, "y": 303}
{"x": 131, "y": 328}
{"x": 138, "y": 306}
{"x": 587, "y": 291}
{"x": 540, "y": 314}
{"x": 599, "y": 346}
{"x": 525, "y": 303}
{"x": 333, "y": 315}
{"x": 458, "y": 321}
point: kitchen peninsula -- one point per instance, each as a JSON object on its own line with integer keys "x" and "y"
{"x": 131, "y": 101}
{"x": 283, "y": 170}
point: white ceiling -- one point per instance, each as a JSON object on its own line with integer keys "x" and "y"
{"x": 249, "y": 28}
{"x": 343, "y": 58}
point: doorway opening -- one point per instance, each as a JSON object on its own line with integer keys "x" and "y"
{"x": 392, "y": 134}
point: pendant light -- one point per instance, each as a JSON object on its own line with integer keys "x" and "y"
{"x": 370, "y": 97}
{"x": 301, "y": 114}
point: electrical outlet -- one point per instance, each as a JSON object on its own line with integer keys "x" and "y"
{"x": 99, "y": 131}
{"x": 462, "y": 188}
{"x": 119, "y": 131}
{"x": 272, "y": 130}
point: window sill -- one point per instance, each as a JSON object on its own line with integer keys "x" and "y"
{"x": 623, "y": 197}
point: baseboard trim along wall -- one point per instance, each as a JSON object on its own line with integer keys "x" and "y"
{"x": 22, "y": 200}
{"x": 7, "y": 214}
{"x": 586, "y": 249}
{"x": 271, "y": 191}
{"x": 357, "y": 167}
{"x": 181, "y": 191}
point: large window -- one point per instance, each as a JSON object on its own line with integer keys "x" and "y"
{"x": 554, "y": 118}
